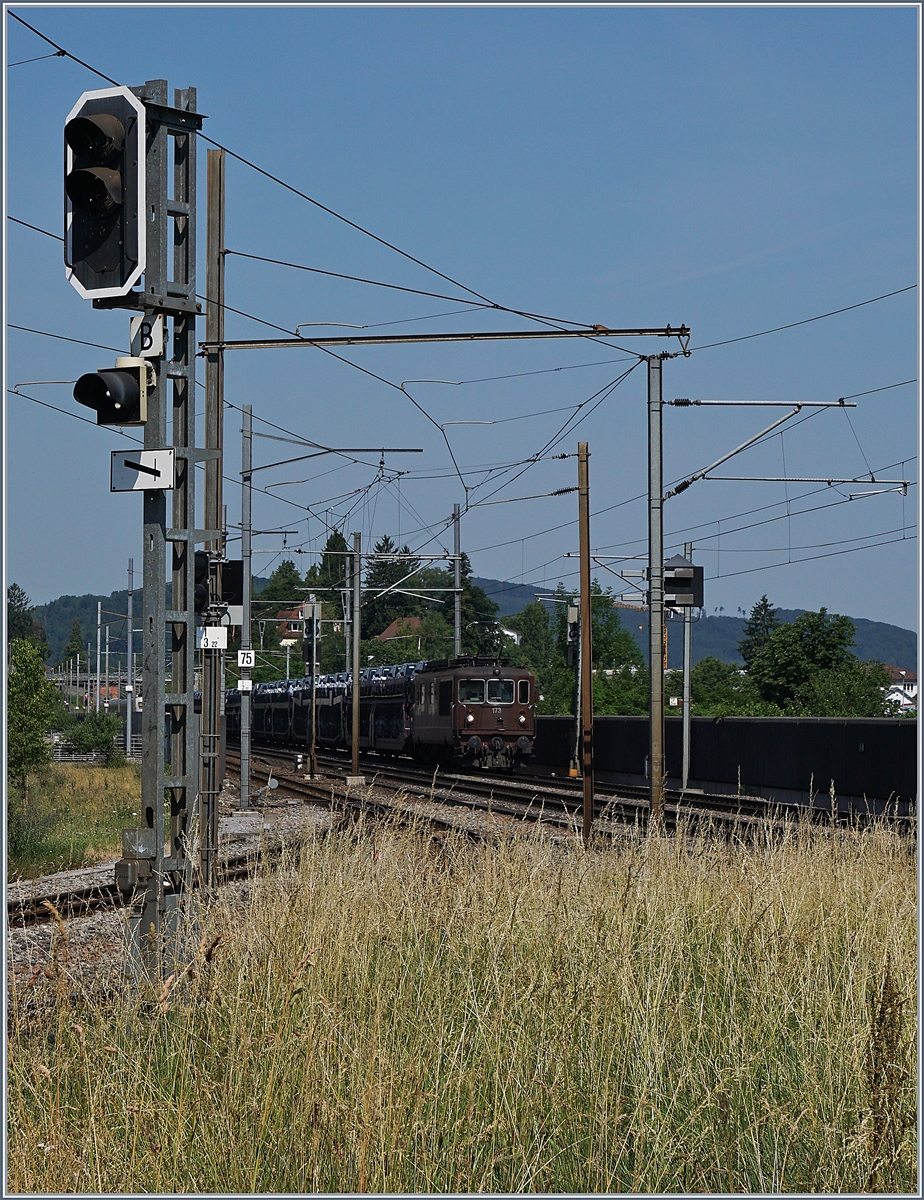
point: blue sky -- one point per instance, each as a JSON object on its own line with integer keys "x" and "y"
{"x": 735, "y": 169}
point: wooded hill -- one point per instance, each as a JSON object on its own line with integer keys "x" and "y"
{"x": 713, "y": 637}
{"x": 718, "y": 636}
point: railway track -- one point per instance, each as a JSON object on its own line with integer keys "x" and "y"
{"x": 403, "y": 791}
{"x": 542, "y": 797}
{"x": 92, "y": 890}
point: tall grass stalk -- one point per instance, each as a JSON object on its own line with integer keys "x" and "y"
{"x": 386, "y": 1013}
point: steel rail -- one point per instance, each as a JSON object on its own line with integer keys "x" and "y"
{"x": 553, "y": 803}
{"x": 567, "y": 792}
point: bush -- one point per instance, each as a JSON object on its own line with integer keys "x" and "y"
{"x": 96, "y": 733}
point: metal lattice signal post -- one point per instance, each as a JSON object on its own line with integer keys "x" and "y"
{"x": 687, "y": 678}
{"x": 246, "y": 556}
{"x": 129, "y": 664}
{"x": 160, "y": 872}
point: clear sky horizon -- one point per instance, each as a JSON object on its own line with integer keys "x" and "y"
{"x": 734, "y": 169}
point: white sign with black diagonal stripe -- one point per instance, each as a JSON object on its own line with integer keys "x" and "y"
{"x": 141, "y": 470}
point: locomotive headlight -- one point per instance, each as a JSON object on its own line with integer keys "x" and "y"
{"x": 522, "y": 719}
{"x": 470, "y": 719}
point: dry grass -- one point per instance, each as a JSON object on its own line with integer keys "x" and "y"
{"x": 386, "y": 1014}
{"x": 71, "y": 816}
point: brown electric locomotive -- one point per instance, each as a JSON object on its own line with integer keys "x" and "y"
{"x": 477, "y": 710}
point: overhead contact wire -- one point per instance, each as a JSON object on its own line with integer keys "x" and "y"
{"x": 62, "y": 52}
{"x": 807, "y": 321}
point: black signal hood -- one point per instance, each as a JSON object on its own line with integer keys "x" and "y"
{"x": 99, "y": 138}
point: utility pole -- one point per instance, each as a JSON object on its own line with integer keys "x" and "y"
{"x": 457, "y": 582}
{"x": 355, "y": 777}
{"x": 246, "y": 683}
{"x": 315, "y": 617}
{"x": 655, "y": 596}
{"x": 99, "y": 628}
{"x": 345, "y": 594}
{"x": 129, "y": 662}
{"x": 210, "y": 733}
{"x": 586, "y": 645}
{"x": 106, "y": 694}
{"x": 687, "y": 687}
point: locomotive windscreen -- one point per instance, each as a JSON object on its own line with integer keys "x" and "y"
{"x": 500, "y": 691}
{"x": 471, "y": 691}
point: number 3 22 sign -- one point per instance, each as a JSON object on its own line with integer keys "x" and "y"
{"x": 212, "y": 637}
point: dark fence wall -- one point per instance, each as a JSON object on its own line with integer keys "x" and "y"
{"x": 791, "y": 755}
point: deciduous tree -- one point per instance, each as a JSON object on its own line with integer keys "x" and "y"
{"x": 720, "y": 689}
{"x": 856, "y": 689}
{"x": 284, "y": 591}
{"x": 30, "y": 704}
{"x": 794, "y": 653}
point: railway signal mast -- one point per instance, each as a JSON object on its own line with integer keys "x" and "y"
{"x": 118, "y": 224}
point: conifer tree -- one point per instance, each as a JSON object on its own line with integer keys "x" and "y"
{"x": 20, "y": 619}
{"x": 76, "y": 643}
{"x": 757, "y": 630}
{"x": 380, "y": 610}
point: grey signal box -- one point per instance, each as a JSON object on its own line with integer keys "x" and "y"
{"x": 683, "y": 583}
